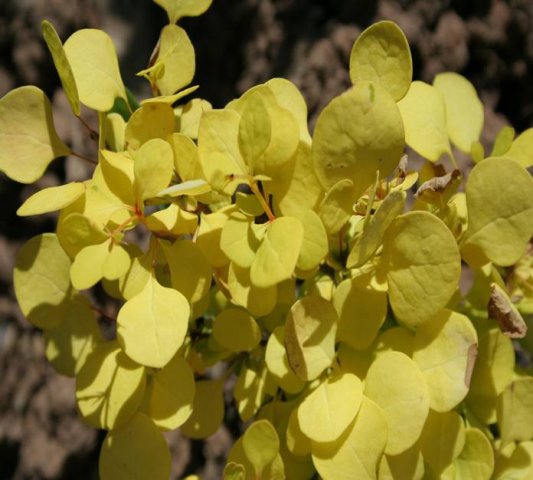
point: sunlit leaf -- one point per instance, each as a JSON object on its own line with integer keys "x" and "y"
{"x": 357, "y": 134}
{"x": 151, "y": 326}
{"x": 94, "y": 64}
{"x": 381, "y": 54}
{"x": 62, "y": 65}
{"x": 28, "y": 140}
{"x": 109, "y": 387}
{"x": 42, "y": 281}
{"x": 423, "y": 112}
{"x": 135, "y": 451}
{"x": 464, "y": 110}
{"x": 397, "y": 385}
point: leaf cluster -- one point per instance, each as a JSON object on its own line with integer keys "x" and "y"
{"x": 302, "y": 263}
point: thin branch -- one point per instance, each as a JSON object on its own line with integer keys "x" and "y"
{"x": 82, "y": 157}
{"x": 92, "y": 133}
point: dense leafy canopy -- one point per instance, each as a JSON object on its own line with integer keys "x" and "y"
{"x": 300, "y": 267}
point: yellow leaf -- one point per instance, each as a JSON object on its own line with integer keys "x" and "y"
{"x": 188, "y": 116}
{"x": 170, "y": 395}
{"x": 357, "y": 134}
{"x": 315, "y": 240}
{"x": 521, "y": 149}
{"x": 357, "y": 453}
{"x": 442, "y": 440}
{"x": 117, "y": 263}
{"x": 464, "y": 110}
{"x": 260, "y": 443}
{"x": 409, "y": 464}
{"x": 208, "y": 238}
{"x": 289, "y": 97}
{"x": 94, "y": 64}
{"x": 68, "y": 345}
{"x": 327, "y": 411}
{"x": 117, "y": 170}
{"x": 268, "y": 133}
{"x": 207, "y": 410}
{"x": 28, "y": 140}
{"x": 51, "y": 199}
{"x": 310, "y": 336}
{"x": 514, "y": 462}
{"x": 240, "y": 239}
{"x": 278, "y": 363}
{"x": 136, "y": 277}
{"x": 422, "y": 264}
{"x": 495, "y": 364}
{"x": 136, "y": 451}
{"x": 236, "y": 330}
{"x": 172, "y": 220}
{"x": 87, "y": 268}
{"x": 190, "y": 273}
{"x": 372, "y": 235}
{"x": 295, "y": 187}
{"x": 337, "y": 206}
{"x": 170, "y": 99}
{"x": 177, "y": 9}
{"x": 423, "y": 112}
{"x": 499, "y": 197}
{"x": 153, "y": 120}
{"x": 109, "y": 387}
{"x": 62, "y": 66}
{"x": 218, "y": 147}
{"x": 278, "y": 252}
{"x": 397, "y": 385}
{"x": 361, "y": 312}
{"x": 176, "y": 54}
{"x": 115, "y": 131}
{"x": 153, "y": 168}
{"x": 381, "y": 55}
{"x": 445, "y": 349}
{"x": 477, "y": 458}
{"x": 186, "y": 160}
{"x": 42, "y": 282}
{"x": 258, "y": 301}
{"x": 152, "y": 325}
{"x": 515, "y": 411}
{"x": 75, "y": 231}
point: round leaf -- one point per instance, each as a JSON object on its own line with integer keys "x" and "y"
{"x": 207, "y": 410}
{"x": 310, "y": 336}
{"x": 42, "y": 281}
{"x": 28, "y": 142}
{"x": 464, "y": 110}
{"x": 397, "y": 385}
{"x": 93, "y": 60}
{"x": 423, "y": 266}
{"x": 357, "y": 134}
{"x": 171, "y": 395}
{"x": 152, "y": 325}
{"x": 278, "y": 252}
{"x": 423, "y": 112}
{"x": 381, "y": 54}
{"x": 328, "y": 410}
{"x": 109, "y": 387}
{"x": 445, "y": 349}
{"x": 357, "y": 453}
{"x": 236, "y": 330}
{"x": 361, "y": 312}
{"x": 499, "y": 197}
{"x": 136, "y": 451}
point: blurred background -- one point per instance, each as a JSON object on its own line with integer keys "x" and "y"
{"x": 238, "y": 43}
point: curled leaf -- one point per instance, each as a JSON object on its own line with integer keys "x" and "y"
{"x": 505, "y": 313}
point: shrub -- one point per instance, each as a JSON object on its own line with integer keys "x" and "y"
{"x": 302, "y": 264}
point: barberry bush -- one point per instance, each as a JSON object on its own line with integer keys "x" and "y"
{"x": 296, "y": 275}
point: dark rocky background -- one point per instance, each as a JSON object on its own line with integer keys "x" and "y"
{"x": 238, "y": 43}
